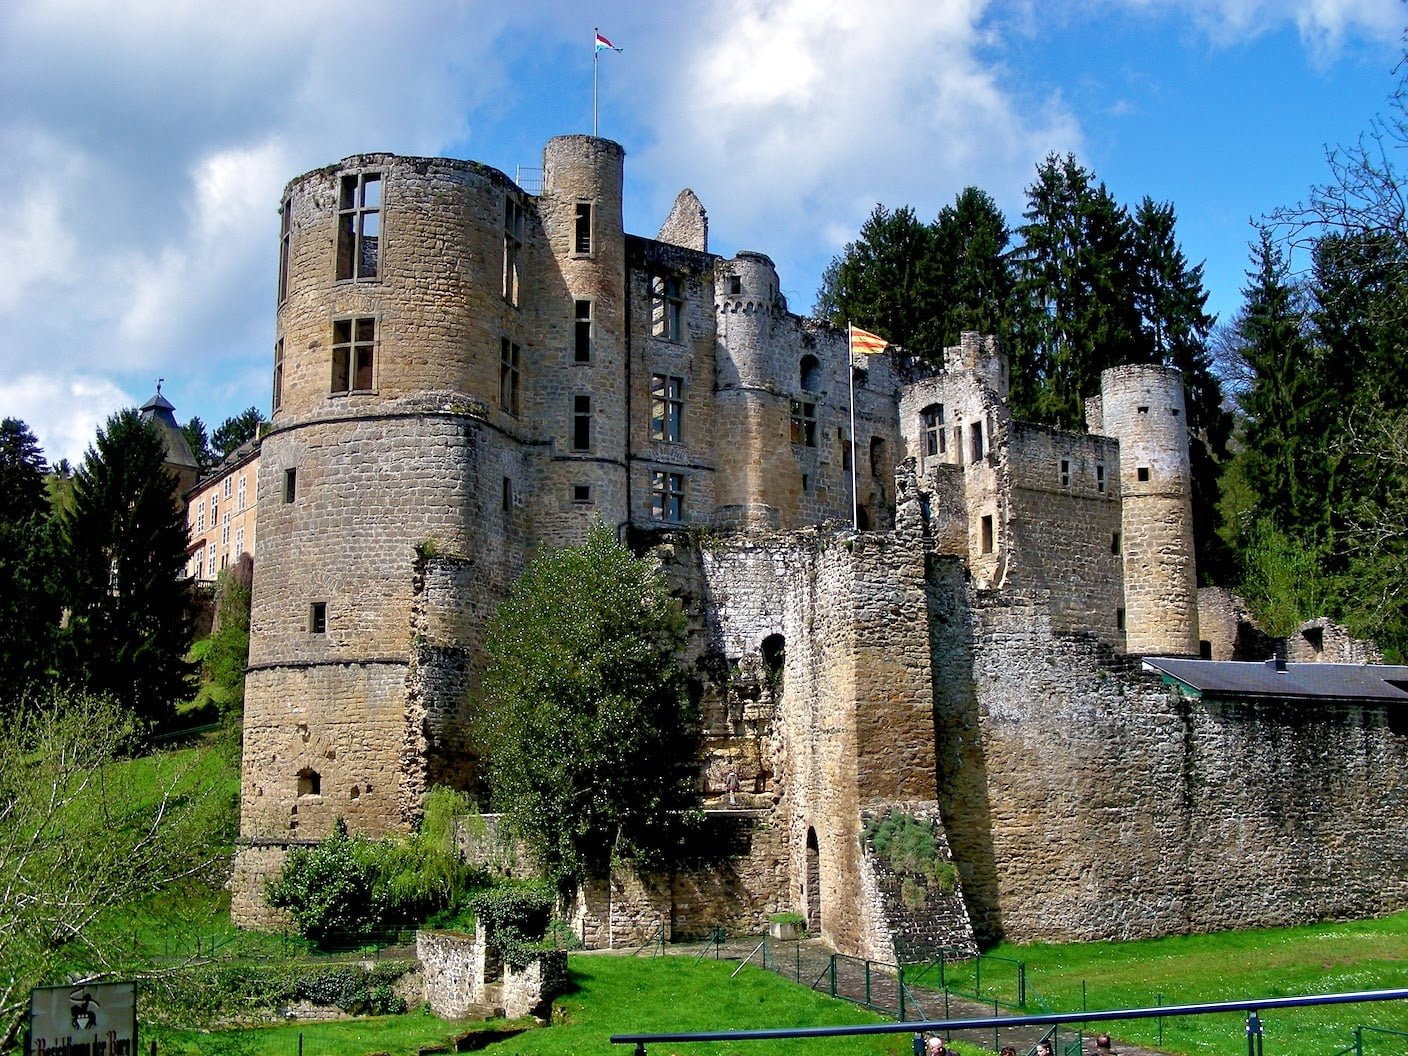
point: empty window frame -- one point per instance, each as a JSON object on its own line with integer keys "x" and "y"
{"x": 581, "y": 422}
{"x": 582, "y": 331}
{"x": 513, "y": 248}
{"x": 310, "y": 783}
{"x": 353, "y": 355}
{"x": 667, "y": 496}
{"x": 986, "y": 531}
{"x": 242, "y": 491}
{"x": 733, "y": 285}
{"x": 278, "y": 373}
{"x": 285, "y": 230}
{"x": 1119, "y": 619}
{"x": 975, "y": 432}
{"x": 666, "y": 307}
{"x": 225, "y": 530}
{"x": 228, "y": 487}
{"x": 1100, "y": 477}
{"x": 583, "y": 230}
{"x": 508, "y": 494}
{"x": 931, "y": 420}
{"x": 359, "y": 226}
{"x": 290, "y": 484}
{"x": 318, "y": 617}
{"x": 803, "y": 415}
{"x": 1115, "y": 542}
{"x": 510, "y": 377}
{"x": 1065, "y": 472}
{"x": 581, "y": 493}
{"x": 1142, "y": 473}
{"x": 879, "y": 462}
{"x": 666, "y": 408}
{"x": 810, "y": 371}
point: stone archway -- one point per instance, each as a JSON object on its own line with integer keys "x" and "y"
{"x": 812, "y": 892}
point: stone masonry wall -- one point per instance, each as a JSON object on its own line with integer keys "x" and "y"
{"x": 452, "y": 972}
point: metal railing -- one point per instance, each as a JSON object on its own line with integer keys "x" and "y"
{"x": 1252, "y": 1009}
{"x": 954, "y": 973}
{"x": 1358, "y": 1047}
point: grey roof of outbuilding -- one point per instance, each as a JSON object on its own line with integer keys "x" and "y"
{"x": 1235, "y": 678}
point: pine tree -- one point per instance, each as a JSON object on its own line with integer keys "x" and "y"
{"x": 29, "y": 603}
{"x": 124, "y": 543}
{"x": 886, "y": 281}
{"x": 974, "y": 278}
{"x": 235, "y": 430}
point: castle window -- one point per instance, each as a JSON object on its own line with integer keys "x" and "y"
{"x": 318, "y": 617}
{"x": 508, "y": 494}
{"x": 285, "y": 228}
{"x": 310, "y": 782}
{"x": 239, "y": 540}
{"x": 353, "y": 347}
{"x": 666, "y": 308}
{"x": 976, "y": 433}
{"x": 200, "y": 516}
{"x": 1119, "y": 619}
{"x": 774, "y": 650}
{"x": 214, "y": 510}
{"x": 278, "y": 373}
{"x": 509, "y": 376}
{"x": 1315, "y": 638}
{"x": 1115, "y": 543}
{"x": 734, "y": 285}
{"x": 666, "y": 408}
{"x": 845, "y": 448}
{"x": 1065, "y": 472}
{"x": 1204, "y": 649}
{"x": 359, "y": 226}
{"x": 229, "y": 490}
{"x": 225, "y": 530}
{"x": 1142, "y": 473}
{"x": 582, "y": 332}
{"x": 1142, "y": 410}
{"x": 667, "y": 496}
{"x": 582, "y": 230}
{"x": 878, "y": 467}
{"x": 581, "y": 422}
{"x": 199, "y": 565}
{"x": 243, "y": 481}
{"x": 811, "y": 374}
{"x": 581, "y": 493}
{"x": 210, "y": 560}
{"x": 1100, "y": 477}
{"x": 803, "y": 423}
{"x": 806, "y": 484}
{"x": 986, "y": 527}
{"x": 932, "y": 423}
{"x": 513, "y": 248}
{"x": 290, "y": 484}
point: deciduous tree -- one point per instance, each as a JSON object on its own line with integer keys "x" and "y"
{"x": 587, "y": 727}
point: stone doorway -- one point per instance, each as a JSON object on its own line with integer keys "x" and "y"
{"x": 813, "y": 887}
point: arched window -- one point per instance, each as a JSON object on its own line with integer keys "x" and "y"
{"x": 310, "y": 782}
{"x": 811, "y": 374}
{"x": 774, "y": 650}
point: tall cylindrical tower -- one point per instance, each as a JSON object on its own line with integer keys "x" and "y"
{"x": 751, "y": 402}
{"x": 399, "y": 422}
{"x": 1143, "y": 407}
{"x": 579, "y": 376}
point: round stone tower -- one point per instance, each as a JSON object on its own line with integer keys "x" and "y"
{"x": 752, "y": 401}
{"x": 579, "y": 376}
{"x": 399, "y": 425}
{"x": 1142, "y": 406}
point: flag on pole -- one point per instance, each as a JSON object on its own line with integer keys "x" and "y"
{"x": 864, "y": 343}
{"x": 603, "y": 44}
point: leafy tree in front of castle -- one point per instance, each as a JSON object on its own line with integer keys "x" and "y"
{"x": 589, "y": 733}
{"x": 124, "y": 548}
{"x": 29, "y": 603}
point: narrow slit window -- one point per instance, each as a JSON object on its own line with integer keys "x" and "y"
{"x": 509, "y": 375}
{"x": 582, "y": 332}
{"x": 285, "y": 231}
{"x": 290, "y": 484}
{"x": 278, "y": 373}
{"x": 318, "y": 617}
{"x": 582, "y": 230}
{"x": 986, "y": 530}
{"x": 976, "y": 433}
{"x": 513, "y": 248}
{"x": 1065, "y": 472}
{"x": 581, "y": 423}
{"x": 1100, "y": 477}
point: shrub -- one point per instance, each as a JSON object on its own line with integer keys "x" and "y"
{"x": 330, "y": 890}
{"x": 910, "y": 846}
{"x": 515, "y": 915}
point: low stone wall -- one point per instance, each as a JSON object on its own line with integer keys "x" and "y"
{"x": 452, "y": 972}
{"x": 255, "y": 866}
{"x": 530, "y": 990}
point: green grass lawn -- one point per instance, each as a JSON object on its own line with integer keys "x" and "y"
{"x": 611, "y": 995}
{"x": 1283, "y": 962}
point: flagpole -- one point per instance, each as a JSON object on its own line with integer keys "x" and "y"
{"x": 851, "y": 388}
{"x": 596, "y": 57}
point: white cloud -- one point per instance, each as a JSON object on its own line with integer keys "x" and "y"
{"x": 1323, "y": 24}
{"x": 64, "y": 411}
{"x": 798, "y": 116}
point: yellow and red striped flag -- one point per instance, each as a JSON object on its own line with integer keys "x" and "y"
{"x": 864, "y": 343}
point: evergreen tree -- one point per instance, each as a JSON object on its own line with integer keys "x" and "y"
{"x": 886, "y": 281}
{"x": 1284, "y": 456}
{"x": 972, "y": 272}
{"x": 29, "y": 604}
{"x": 235, "y": 430}
{"x": 124, "y": 542}
{"x": 194, "y": 431}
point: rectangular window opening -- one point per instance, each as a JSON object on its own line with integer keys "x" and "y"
{"x": 987, "y": 541}
{"x": 353, "y": 349}
{"x": 1065, "y": 472}
{"x": 290, "y": 484}
{"x": 1100, "y": 477}
{"x": 1115, "y": 543}
{"x": 667, "y": 497}
{"x": 1142, "y": 473}
{"x": 803, "y": 423}
{"x": 976, "y": 434}
{"x": 581, "y": 493}
{"x": 359, "y": 226}
{"x": 318, "y": 617}
{"x": 509, "y": 375}
{"x": 666, "y": 307}
{"x": 581, "y": 423}
{"x": 1119, "y": 619}
{"x": 582, "y": 230}
{"x": 582, "y": 332}
{"x": 513, "y": 247}
{"x": 508, "y": 494}
{"x": 666, "y": 408}
{"x": 285, "y": 231}
{"x": 1143, "y": 410}
{"x": 278, "y": 373}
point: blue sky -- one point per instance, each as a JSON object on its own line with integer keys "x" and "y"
{"x": 143, "y": 145}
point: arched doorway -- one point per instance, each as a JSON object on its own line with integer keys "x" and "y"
{"x": 813, "y": 887}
